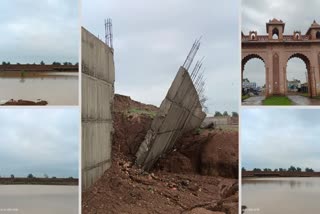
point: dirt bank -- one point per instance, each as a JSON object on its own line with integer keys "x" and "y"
{"x": 40, "y": 181}
{"x": 38, "y": 68}
{"x": 25, "y": 103}
{"x": 182, "y": 182}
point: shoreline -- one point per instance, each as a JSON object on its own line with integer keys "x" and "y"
{"x": 39, "y": 68}
{"x": 252, "y": 174}
{"x": 40, "y": 181}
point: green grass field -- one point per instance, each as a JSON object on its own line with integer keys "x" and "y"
{"x": 277, "y": 100}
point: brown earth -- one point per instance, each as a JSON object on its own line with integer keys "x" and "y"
{"x": 39, "y": 68}
{"x": 39, "y": 181}
{"x": 187, "y": 180}
{"x": 25, "y": 102}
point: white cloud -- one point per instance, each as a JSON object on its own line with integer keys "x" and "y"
{"x": 152, "y": 40}
{"x": 274, "y": 138}
{"x": 297, "y": 14}
{"x": 37, "y": 30}
{"x": 39, "y": 141}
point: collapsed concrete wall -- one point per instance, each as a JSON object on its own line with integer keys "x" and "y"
{"x": 97, "y": 100}
{"x": 179, "y": 112}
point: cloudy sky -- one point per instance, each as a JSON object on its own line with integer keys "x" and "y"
{"x": 153, "y": 38}
{"x": 274, "y": 138}
{"x": 297, "y": 14}
{"x": 35, "y": 30}
{"x": 39, "y": 141}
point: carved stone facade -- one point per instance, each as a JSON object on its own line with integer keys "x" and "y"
{"x": 275, "y": 49}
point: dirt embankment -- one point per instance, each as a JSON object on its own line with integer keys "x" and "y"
{"x": 205, "y": 152}
{"x": 39, "y": 68}
{"x": 25, "y": 103}
{"x": 279, "y": 174}
{"x": 188, "y": 180}
{"x": 40, "y": 181}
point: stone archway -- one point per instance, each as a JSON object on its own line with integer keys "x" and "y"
{"x": 276, "y": 53}
{"x": 252, "y": 56}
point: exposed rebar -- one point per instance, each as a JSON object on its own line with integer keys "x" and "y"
{"x": 108, "y": 32}
{"x": 192, "y": 53}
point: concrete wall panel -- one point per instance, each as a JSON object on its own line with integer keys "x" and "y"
{"x": 180, "y": 111}
{"x": 97, "y": 100}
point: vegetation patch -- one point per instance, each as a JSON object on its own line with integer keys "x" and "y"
{"x": 134, "y": 111}
{"x": 244, "y": 97}
{"x": 277, "y": 100}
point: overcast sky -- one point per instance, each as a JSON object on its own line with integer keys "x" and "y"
{"x": 297, "y": 14}
{"x": 39, "y": 141}
{"x": 35, "y": 30}
{"x": 153, "y": 38}
{"x": 274, "y": 138}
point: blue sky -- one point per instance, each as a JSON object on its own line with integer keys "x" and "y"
{"x": 35, "y": 30}
{"x": 39, "y": 141}
{"x": 153, "y": 38}
{"x": 297, "y": 14}
{"x": 279, "y": 138}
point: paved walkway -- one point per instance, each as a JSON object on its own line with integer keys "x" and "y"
{"x": 256, "y": 100}
{"x": 301, "y": 100}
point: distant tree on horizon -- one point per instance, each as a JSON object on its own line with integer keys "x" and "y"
{"x": 257, "y": 170}
{"x": 217, "y": 114}
{"x": 42, "y": 63}
{"x": 235, "y": 114}
{"x": 292, "y": 169}
{"x": 309, "y": 170}
{"x": 243, "y": 169}
{"x": 12, "y": 176}
{"x": 67, "y": 63}
{"x": 225, "y": 113}
{"x": 30, "y": 176}
{"x": 45, "y": 175}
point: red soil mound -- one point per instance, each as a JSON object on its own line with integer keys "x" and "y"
{"x": 210, "y": 152}
{"x": 175, "y": 185}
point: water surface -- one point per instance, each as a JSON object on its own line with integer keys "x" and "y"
{"x": 281, "y": 195}
{"x": 57, "y": 88}
{"x": 38, "y": 199}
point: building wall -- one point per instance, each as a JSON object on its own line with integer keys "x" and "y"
{"x": 276, "y": 75}
{"x": 179, "y": 112}
{"x": 98, "y": 76}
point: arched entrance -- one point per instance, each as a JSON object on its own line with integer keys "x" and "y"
{"x": 299, "y": 78}
{"x": 253, "y": 75}
{"x": 275, "y": 49}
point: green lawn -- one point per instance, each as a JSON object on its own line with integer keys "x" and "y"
{"x": 277, "y": 100}
{"x": 245, "y": 97}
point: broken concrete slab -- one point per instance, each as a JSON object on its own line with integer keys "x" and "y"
{"x": 179, "y": 112}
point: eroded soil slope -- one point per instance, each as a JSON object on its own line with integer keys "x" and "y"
{"x": 198, "y": 176}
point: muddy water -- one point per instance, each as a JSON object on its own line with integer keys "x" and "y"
{"x": 281, "y": 195}
{"x": 38, "y": 199}
{"x": 57, "y": 88}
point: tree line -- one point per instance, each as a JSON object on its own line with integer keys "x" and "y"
{"x": 290, "y": 169}
{"x": 225, "y": 114}
{"x": 31, "y": 176}
{"x": 42, "y": 63}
